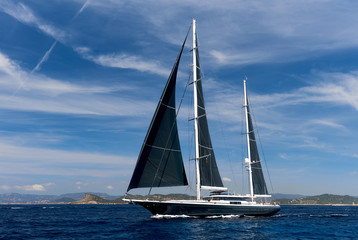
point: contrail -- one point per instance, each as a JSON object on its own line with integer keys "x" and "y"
{"x": 80, "y": 11}
{"x": 45, "y": 57}
{"x": 48, "y": 52}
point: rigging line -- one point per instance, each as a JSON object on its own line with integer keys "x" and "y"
{"x": 164, "y": 149}
{"x": 263, "y": 153}
{"x": 208, "y": 148}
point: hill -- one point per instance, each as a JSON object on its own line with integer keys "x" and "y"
{"x": 103, "y": 198}
{"x": 93, "y": 199}
{"x": 320, "y": 200}
{"x": 18, "y": 198}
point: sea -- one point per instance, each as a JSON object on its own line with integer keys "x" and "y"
{"x": 134, "y": 222}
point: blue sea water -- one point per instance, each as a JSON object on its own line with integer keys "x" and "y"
{"x": 134, "y": 222}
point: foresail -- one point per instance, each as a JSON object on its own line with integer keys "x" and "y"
{"x": 209, "y": 173}
{"x": 160, "y": 162}
{"x": 258, "y": 180}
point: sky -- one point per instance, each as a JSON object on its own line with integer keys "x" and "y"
{"x": 80, "y": 80}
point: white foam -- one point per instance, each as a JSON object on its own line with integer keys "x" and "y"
{"x": 17, "y": 207}
{"x": 225, "y": 216}
{"x": 163, "y": 216}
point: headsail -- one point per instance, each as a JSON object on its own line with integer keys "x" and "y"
{"x": 209, "y": 173}
{"x": 160, "y": 162}
{"x": 258, "y": 180}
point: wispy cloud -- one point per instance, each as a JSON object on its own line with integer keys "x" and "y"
{"x": 326, "y": 123}
{"x": 333, "y": 88}
{"x": 301, "y": 118}
{"x": 33, "y": 187}
{"x": 40, "y": 93}
{"x": 41, "y": 161}
{"x": 25, "y": 15}
{"x": 124, "y": 61}
{"x": 254, "y": 32}
{"x": 245, "y": 57}
{"x": 226, "y": 179}
{"x": 48, "y": 52}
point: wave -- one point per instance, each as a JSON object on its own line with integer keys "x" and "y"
{"x": 329, "y": 215}
{"x": 225, "y": 216}
{"x": 165, "y": 216}
{"x": 339, "y": 215}
{"x": 15, "y": 208}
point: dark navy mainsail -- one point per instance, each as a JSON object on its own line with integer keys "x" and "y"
{"x": 209, "y": 173}
{"x": 160, "y": 162}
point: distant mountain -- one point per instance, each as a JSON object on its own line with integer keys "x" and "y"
{"x": 79, "y": 196}
{"x": 13, "y": 198}
{"x": 93, "y": 199}
{"x": 286, "y": 196}
{"x": 320, "y": 199}
{"x": 37, "y": 199}
{"x": 26, "y": 198}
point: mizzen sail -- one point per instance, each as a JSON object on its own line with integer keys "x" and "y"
{"x": 258, "y": 180}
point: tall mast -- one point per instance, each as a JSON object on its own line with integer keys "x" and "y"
{"x": 248, "y": 160}
{"x": 197, "y": 157}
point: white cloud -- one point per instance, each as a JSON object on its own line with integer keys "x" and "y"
{"x": 245, "y": 57}
{"x": 233, "y": 32}
{"x": 38, "y": 161}
{"x": 40, "y": 93}
{"x": 5, "y": 187}
{"x": 34, "y": 187}
{"x": 226, "y": 179}
{"x": 14, "y": 76}
{"x": 124, "y": 61}
{"x": 333, "y": 88}
{"x": 326, "y": 123}
{"x": 109, "y": 187}
{"x": 25, "y": 15}
{"x": 252, "y": 31}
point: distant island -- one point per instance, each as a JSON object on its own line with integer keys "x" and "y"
{"x": 93, "y": 199}
{"x": 102, "y": 198}
{"x": 324, "y": 199}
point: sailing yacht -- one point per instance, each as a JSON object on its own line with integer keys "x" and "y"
{"x": 160, "y": 162}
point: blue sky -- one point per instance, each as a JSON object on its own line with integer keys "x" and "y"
{"x": 80, "y": 80}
